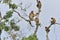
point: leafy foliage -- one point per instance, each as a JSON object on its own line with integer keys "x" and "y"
{"x": 13, "y": 6}
{"x": 12, "y": 23}
{"x": 6, "y": 28}
{"x": 8, "y": 14}
{"x": 6, "y": 20}
{"x": 6, "y": 1}
{"x": 31, "y": 37}
{"x": 39, "y": 24}
{"x": 3, "y": 26}
{"x": 14, "y": 26}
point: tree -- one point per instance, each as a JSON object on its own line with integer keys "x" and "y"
{"x": 12, "y": 23}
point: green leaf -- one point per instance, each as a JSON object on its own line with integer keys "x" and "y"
{"x": 8, "y": 14}
{"x": 39, "y": 24}
{"x": 14, "y": 26}
{"x": 6, "y": 1}
{"x": 6, "y": 28}
{"x": 24, "y": 38}
{"x": 13, "y": 6}
{"x": 31, "y": 37}
{"x": 6, "y": 20}
{"x": 0, "y": 32}
{"x": 1, "y": 26}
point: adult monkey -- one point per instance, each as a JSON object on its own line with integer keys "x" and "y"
{"x": 31, "y": 17}
{"x": 39, "y": 4}
{"x": 53, "y": 21}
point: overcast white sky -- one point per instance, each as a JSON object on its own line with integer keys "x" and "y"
{"x": 50, "y": 8}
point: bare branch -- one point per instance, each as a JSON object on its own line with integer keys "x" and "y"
{"x": 23, "y": 17}
{"x": 47, "y": 38}
{"x": 20, "y": 15}
{"x": 57, "y": 23}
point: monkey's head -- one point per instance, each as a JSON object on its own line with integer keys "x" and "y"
{"x": 52, "y": 18}
{"x": 31, "y": 11}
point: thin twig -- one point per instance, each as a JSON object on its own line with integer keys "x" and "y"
{"x": 55, "y": 34}
{"x": 47, "y": 36}
{"x": 50, "y": 25}
{"x": 53, "y": 24}
{"x": 57, "y": 23}
{"x": 20, "y": 15}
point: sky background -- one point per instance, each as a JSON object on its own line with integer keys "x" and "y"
{"x": 50, "y": 8}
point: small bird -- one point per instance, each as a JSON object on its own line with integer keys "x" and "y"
{"x": 39, "y": 5}
{"x": 47, "y": 29}
{"x": 53, "y": 21}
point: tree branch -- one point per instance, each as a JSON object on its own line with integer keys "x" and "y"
{"x": 47, "y": 38}
{"x": 23, "y": 17}
{"x": 36, "y": 30}
{"x": 20, "y": 15}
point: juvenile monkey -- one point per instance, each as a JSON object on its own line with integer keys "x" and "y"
{"x": 39, "y": 5}
{"x": 53, "y": 21}
{"x": 47, "y": 29}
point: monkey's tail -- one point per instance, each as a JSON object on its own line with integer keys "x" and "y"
{"x": 30, "y": 23}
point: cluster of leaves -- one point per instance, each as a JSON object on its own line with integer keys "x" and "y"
{"x": 39, "y": 24}
{"x": 3, "y": 26}
{"x": 31, "y": 37}
{"x": 13, "y": 6}
{"x": 6, "y": 18}
{"x": 14, "y": 26}
{"x": 6, "y": 1}
{"x": 8, "y": 14}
